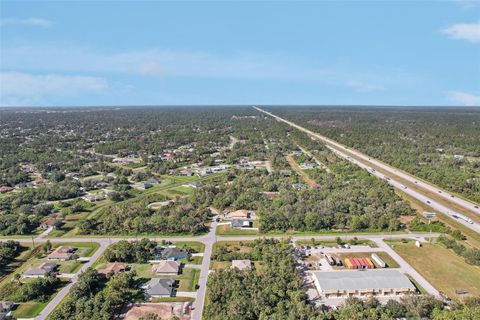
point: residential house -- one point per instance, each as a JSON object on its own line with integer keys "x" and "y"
{"x": 171, "y": 253}
{"x": 112, "y": 268}
{"x": 62, "y": 253}
{"x": 241, "y": 223}
{"x": 157, "y": 287}
{"x": 240, "y": 214}
{"x": 270, "y": 195}
{"x": 49, "y": 223}
{"x": 41, "y": 271}
{"x": 5, "y": 310}
{"x": 4, "y": 189}
{"x": 286, "y": 173}
{"x": 194, "y": 184}
{"x": 101, "y": 185}
{"x": 93, "y": 197}
{"x": 299, "y": 186}
{"x": 242, "y": 264}
{"x": 166, "y": 267}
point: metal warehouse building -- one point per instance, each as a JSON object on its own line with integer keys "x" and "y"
{"x": 362, "y": 283}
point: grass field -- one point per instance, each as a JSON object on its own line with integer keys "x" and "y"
{"x": 217, "y": 265}
{"x": 333, "y": 243}
{"x": 29, "y": 309}
{"x": 197, "y": 246}
{"x": 84, "y": 249}
{"x": 441, "y": 267}
{"x": 192, "y": 260}
{"x": 227, "y": 230}
{"x": 306, "y": 178}
{"x": 71, "y": 266}
{"x": 173, "y": 299}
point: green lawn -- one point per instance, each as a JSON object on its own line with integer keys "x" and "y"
{"x": 183, "y": 189}
{"x": 71, "y": 266}
{"x": 173, "y": 299}
{"x": 29, "y": 309}
{"x": 333, "y": 243}
{"x": 192, "y": 260}
{"x": 191, "y": 279}
{"x": 227, "y": 230}
{"x": 84, "y": 249}
{"x": 216, "y": 265}
{"x": 197, "y": 246}
{"x": 441, "y": 267}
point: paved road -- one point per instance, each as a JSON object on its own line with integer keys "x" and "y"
{"x": 209, "y": 240}
{"x": 344, "y": 152}
{"x": 406, "y": 267}
{"x": 417, "y": 195}
{"x": 64, "y": 291}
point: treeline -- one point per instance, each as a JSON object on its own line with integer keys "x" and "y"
{"x": 471, "y": 255}
{"x": 93, "y": 298}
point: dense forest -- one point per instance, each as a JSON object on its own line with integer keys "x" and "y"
{"x": 440, "y": 145}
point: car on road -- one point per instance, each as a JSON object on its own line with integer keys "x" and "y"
{"x": 428, "y": 201}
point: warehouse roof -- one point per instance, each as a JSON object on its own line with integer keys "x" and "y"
{"x": 361, "y": 280}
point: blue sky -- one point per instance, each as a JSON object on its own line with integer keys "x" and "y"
{"x": 231, "y": 52}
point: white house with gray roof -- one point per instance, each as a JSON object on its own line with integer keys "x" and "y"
{"x": 158, "y": 287}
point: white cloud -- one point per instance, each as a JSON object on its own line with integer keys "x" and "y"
{"x": 464, "y": 98}
{"x": 464, "y": 31}
{"x": 169, "y": 63}
{"x": 25, "y": 88}
{"x": 38, "y": 22}
{"x": 362, "y": 86}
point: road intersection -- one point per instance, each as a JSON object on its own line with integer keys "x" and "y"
{"x": 209, "y": 240}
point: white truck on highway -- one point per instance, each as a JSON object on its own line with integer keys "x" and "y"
{"x": 461, "y": 216}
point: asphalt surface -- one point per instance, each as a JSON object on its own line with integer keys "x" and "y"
{"x": 209, "y": 240}
{"x": 343, "y": 152}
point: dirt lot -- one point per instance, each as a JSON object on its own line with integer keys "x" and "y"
{"x": 165, "y": 310}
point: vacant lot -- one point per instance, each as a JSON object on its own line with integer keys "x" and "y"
{"x": 442, "y": 267}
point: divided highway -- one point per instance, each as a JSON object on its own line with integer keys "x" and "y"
{"x": 434, "y": 197}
